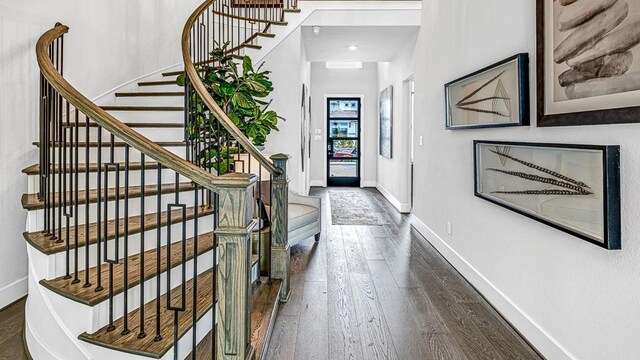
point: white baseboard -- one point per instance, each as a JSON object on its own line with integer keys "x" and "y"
{"x": 13, "y": 291}
{"x": 316, "y": 183}
{"x": 532, "y": 331}
{"x": 402, "y": 208}
{"x": 368, "y": 183}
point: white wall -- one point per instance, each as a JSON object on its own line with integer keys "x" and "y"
{"x": 393, "y": 175}
{"x": 347, "y": 82}
{"x": 110, "y": 42}
{"x": 570, "y": 298}
{"x": 288, "y": 66}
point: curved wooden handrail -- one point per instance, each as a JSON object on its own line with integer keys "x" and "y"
{"x": 117, "y": 128}
{"x": 197, "y": 84}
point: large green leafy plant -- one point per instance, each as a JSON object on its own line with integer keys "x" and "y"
{"x": 239, "y": 90}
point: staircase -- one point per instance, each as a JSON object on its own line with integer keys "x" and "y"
{"x": 140, "y": 245}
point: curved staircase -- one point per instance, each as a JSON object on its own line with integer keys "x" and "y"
{"x": 137, "y": 247}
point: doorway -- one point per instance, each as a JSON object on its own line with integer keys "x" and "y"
{"x": 343, "y": 141}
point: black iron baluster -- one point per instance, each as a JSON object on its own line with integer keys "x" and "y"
{"x": 194, "y": 319}
{"x": 66, "y": 190}
{"x": 183, "y": 293}
{"x": 126, "y": 330}
{"x": 158, "y": 254}
{"x": 76, "y": 215}
{"x": 141, "y": 333}
{"x": 87, "y": 178}
{"x": 99, "y": 212}
{"x": 116, "y": 242}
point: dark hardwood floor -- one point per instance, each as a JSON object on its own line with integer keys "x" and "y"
{"x": 382, "y": 292}
{"x": 11, "y": 329}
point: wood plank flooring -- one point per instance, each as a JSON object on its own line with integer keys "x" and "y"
{"x": 382, "y": 292}
{"x": 11, "y": 330}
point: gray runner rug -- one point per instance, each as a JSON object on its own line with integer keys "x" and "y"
{"x": 352, "y": 208}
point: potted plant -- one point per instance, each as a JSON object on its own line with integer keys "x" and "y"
{"x": 239, "y": 91}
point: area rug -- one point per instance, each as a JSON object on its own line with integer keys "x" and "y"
{"x": 352, "y": 208}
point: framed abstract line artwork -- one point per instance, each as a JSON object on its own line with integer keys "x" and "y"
{"x": 385, "y": 109}
{"x": 588, "y": 69}
{"x": 496, "y": 96}
{"x": 573, "y": 188}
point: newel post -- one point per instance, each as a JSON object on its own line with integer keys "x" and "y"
{"x": 235, "y": 226}
{"x": 280, "y": 255}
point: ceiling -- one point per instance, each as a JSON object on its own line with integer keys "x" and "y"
{"x": 375, "y": 43}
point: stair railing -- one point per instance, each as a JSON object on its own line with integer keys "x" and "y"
{"x": 238, "y": 23}
{"x": 86, "y": 152}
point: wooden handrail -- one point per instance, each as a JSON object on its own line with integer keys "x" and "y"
{"x": 196, "y": 82}
{"x": 120, "y": 130}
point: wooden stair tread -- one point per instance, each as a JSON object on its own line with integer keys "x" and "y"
{"x": 115, "y": 144}
{"x": 157, "y": 83}
{"x": 149, "y": 93}
{"x": 279, "y": 23}
{"x": 32, "y": 202}
{"x": 252, "y": 46}
{"x": 88, "y": 296}
{"x": 46, "y": 245}
{"x": 264, "y": 306}
{"x": 141, "y": 108}
{"x": 263, "y": 34}
{"x": 292, "y": 10}
{"x": 147, "y": 346}
{"x": 93, "y": 167}
{"x": 173, "y": 73}
{"x": 132, "y": 125}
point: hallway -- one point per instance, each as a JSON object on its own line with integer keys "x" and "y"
{"x": 382, "y": 292}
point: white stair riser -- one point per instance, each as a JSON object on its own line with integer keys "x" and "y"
{"x": 148, "y": 116}
{"x": 172, "y": 87}
{"x": 152, "y": 133}
{"x": 151, "y": 178}
{"x": 100, "y": 312}
{"x": 118, "y": 153}
{"x": 57, "y": 262}
{"x": 35, "y": 218}
{"x": 150, "y": 100}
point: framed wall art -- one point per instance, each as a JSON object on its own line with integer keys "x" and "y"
{"x": 385, "y": 108}
{"x": 573, "y": 188}
{"x": 588, "y": 69}
{"x": 495, "y": 96}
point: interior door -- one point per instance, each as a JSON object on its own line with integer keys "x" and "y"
{"x": 343, "y": 142}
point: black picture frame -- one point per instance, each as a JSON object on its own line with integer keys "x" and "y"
{"x": 522, "y": 60}
{"x": 596, "y": 117}
{"x": 610, "y": 162}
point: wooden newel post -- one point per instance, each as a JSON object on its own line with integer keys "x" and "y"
{"x": 280, "y": 256}
{"x": 235, "y": 226}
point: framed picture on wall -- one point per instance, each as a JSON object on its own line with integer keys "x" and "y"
{"x": 385, "y": 108}
{"x": 588, "y": 69}
{"x": 496, "y": 96}
{"x": 573, "y": 188}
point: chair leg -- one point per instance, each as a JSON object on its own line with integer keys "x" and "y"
{"x": 317, "y": 236}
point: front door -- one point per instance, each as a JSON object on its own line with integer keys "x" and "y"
{"x": 343, "y": 142}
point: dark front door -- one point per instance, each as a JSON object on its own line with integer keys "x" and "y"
{"x": 343, "y": 142}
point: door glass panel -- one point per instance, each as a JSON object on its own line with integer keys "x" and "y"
{"x": 343, "y": 128}
{"x": 343, "y": 168}
{"x": 345, "y": 148}
{"x": 343, "y": 109}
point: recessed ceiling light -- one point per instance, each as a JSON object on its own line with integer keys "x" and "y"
{"x": 316, "y": 30}
{"x": 353, "y": 47}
